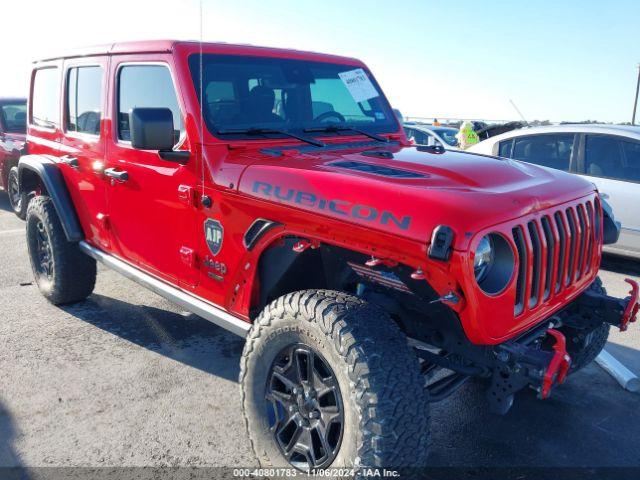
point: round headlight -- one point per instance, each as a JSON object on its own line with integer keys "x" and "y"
{"x": 483, "y": 258}
{"x": 493, "y": 263}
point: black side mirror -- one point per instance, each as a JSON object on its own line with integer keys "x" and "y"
{"x": 152, "y": 129}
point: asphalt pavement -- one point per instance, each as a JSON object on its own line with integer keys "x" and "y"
{"x": 127, "y": 379}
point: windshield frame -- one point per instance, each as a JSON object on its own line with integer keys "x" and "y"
{"x": 392, "y": 126}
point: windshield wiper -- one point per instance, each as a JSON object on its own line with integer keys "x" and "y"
{"x": 266, "y": 131}
{"x": 340, "y": 128}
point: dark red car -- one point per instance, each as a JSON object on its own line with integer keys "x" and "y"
{"x": 13, "y": 129}
{"x": 274, "y": 193}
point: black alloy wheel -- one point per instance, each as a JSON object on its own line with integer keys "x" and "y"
{"x": 304, "y": 407}
{"x": 44, "y": 264}
{"x": 13, "y": 189}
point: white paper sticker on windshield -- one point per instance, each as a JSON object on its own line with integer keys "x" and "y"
{"x": 359, "y": 85}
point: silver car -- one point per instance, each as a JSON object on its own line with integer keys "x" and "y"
{"x": 432, "y": 135}
{"x": 608, "y": 155}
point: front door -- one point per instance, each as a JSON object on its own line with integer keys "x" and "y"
{"x": 613, "y": 164}
{"x": 151, "y": 212}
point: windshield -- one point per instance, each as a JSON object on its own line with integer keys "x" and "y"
{"x": 14, "y": 117}
{"x": 448, "y": 135}
{"x": 248, "y": 93}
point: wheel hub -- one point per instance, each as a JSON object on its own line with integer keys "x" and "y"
{"x": 304, "y": 407}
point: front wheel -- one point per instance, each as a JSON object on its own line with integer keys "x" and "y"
{"x": 19, "y": 201}
{"x": 63, "y": 273}
{"x": 328, "y": 380}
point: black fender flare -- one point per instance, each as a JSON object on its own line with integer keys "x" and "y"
{"x": 48, "y": 173}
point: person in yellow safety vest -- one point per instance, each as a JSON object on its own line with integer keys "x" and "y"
{"x": 466, "y": 136}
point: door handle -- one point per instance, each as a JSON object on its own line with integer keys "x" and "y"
{"x": 119, "y": 175}
{"x": 70, "y": 160}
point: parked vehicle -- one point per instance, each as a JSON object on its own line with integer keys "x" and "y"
{"x": 430, "y": 135}
{"x": 607, "y": 155}
{"x": 291, "y": 209}
{"x": 498, "y": 128}
{"x": 13, "y": 128}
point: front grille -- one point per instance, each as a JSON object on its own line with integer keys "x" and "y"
{"x": 554, "y": 251}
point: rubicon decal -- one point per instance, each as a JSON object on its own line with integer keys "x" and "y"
{"x": 214, "y": 234}
{"x": 337, "y": 206}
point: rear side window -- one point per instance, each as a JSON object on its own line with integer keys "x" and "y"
{"x": 612, "y": 157}
{"x": 504, "y": 148}
{"x": 84, "y": 100}
{"x": 632, "y": 160}
{"x": 603, "y": 156}
{"x": 45, "y": 111}
{"x": 552, "y": 151}
{"x": 146, "y": 86}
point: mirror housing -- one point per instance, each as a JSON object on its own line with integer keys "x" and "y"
{"x": 151, "y": 128}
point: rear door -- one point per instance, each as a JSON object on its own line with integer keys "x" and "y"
{"x": 151, "y": 214}
{"x": 82, "y": 145}
{"x": 613, "y": 164}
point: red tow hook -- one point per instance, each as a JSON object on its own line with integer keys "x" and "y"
{"x": 629, "y": 315}
{"x": 559, "y": 365}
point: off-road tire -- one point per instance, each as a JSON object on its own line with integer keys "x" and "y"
{"x": 582, "y": 354}
{"x": 386, "y": 408}
{"x": 72, "y": 273}
{"x": 19, "y": 201}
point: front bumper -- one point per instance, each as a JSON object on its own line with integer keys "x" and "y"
{"x": 540, "y": 358}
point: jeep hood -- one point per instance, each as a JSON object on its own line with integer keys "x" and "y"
{"x": 409, "y": 191}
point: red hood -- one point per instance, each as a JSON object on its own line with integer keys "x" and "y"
{"x": 422, "y": 190}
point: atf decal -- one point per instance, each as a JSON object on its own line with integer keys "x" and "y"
{"x": 213, "y": 233}
{"x": 340, "y": 207}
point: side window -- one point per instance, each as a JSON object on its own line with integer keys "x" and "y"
{"x": 603, "y": 157}
{"x": 45, "y": 110}
{"x": 147, "y": 86}
{"x": 84, "y": 100}
{"x": 549, "y": 150}
{"x": 504, "y": 148}
{"x": 632, "y": 160}
{"x": 418, "y": 137}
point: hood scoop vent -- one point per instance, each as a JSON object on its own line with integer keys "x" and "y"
{"x": 381, "y": 170}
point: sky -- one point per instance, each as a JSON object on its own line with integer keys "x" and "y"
{"x": 555, "y": 59}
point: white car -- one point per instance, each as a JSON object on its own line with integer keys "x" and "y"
{"x": 608, "y": 155}
{"x": 432, "y": 135}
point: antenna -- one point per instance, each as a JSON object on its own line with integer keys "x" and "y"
{"x": 519, "y": 112}
{"x": 204, "y": 198}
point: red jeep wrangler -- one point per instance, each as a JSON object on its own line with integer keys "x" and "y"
{"x": 274, "y": 193}
{"x": 13, "y": 130}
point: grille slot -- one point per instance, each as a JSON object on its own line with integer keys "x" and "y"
{"x": 554, "y": 252}
{"x": 537, "y": 264}
{"x": 590, "y": 237}
{"x": 582, "y": 223}
{"x": 518, "y": 237}
{"x": 562, "y": 247}
{"x": 551, "y": 249}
